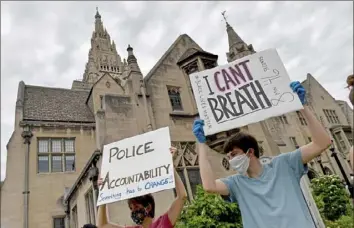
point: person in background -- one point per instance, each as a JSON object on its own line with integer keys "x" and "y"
{"x": 143, "y": 209}
{"x": 89, "y": 226}
{"x": 268, "y": 195}
{"x": 350, "y": 83}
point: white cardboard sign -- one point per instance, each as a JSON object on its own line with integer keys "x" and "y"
{"x": 136, "y": 166}
{"x": 248, "y": 90}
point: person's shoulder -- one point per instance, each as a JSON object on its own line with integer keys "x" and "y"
{"x": 162, "y": 221}
{"x": 161, "y": 218}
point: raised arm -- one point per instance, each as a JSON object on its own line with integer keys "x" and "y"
{"x": 102, "y": 216}
{"x": 177, "y": 205}
{"x": 320, "y": 138}
{"x": 210, "y": 184}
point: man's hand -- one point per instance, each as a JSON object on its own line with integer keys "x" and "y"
{"x": 198, "y": 130}
{"x": 300, "y": 90}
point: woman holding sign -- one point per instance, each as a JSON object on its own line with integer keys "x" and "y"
{"x": 143, "y": 209}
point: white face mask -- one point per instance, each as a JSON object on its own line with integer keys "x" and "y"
{"x": 240, "y": 163}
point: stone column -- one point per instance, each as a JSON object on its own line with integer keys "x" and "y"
{"x": 100, "y": 128}
{"x": 27, "y": 136}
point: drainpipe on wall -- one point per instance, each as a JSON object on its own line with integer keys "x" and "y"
{"x": 147, "y": 117}
{"x": 67, "y": 212}
{"x": 94, "y": 171}
{"x": 26, "y": 135}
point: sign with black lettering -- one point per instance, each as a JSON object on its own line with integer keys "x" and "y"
{"x": 136, "y": 166}
{"x": 248, "y": 90}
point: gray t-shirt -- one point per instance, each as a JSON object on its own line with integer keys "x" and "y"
{"x": 274, "y": 199}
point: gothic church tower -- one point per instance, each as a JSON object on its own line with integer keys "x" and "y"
{"x": 103, "y": 56}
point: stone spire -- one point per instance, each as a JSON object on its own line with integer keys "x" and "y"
{"x": 114, "y": 46}
{"x": 98, "y": 23}
{"x": 132, "y": 61}
{"x": 237, "y": 47}
{"x": 103, "y": 55}
{"x": 134, "y": 76}
{"x": 233, "y": 37}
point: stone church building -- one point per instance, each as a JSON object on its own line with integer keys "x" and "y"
{"x": 54, "y": 152}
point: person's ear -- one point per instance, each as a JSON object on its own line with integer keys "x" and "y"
{"x": 251, "y": 152}
{"x": 148, "y": 209}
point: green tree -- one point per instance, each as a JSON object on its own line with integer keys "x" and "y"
{"x": 345, "y": 221}
{"x": 210, "y": 211}
{"x": 333, "y": 201}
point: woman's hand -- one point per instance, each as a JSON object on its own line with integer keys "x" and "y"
{"x": 173, "y": 151}
{"x": 100, "y": 181}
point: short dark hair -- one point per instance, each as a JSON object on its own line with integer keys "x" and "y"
{"x": 243, "y": 141}
{"x": 89, "y": 226}
{"x": 144, "y": 200}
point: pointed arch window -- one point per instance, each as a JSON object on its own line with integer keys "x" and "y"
{"x": 175, "y": 98}
{"x": 188, "y": 167}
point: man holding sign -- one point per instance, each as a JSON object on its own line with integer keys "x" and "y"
{"x": 268, "y": 195}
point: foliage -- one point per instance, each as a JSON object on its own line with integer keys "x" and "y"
{"x": 330, "y": 191}
{"x": 333, "y": 202}
{"x": 345, "y": 221}
{"x": 210, "y": 211}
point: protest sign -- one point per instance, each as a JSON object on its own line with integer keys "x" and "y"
{"x": 248, "y": 90}
{"x": 136, "y": 166}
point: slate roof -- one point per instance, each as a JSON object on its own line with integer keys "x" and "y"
{"x": 56, "y": 105}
